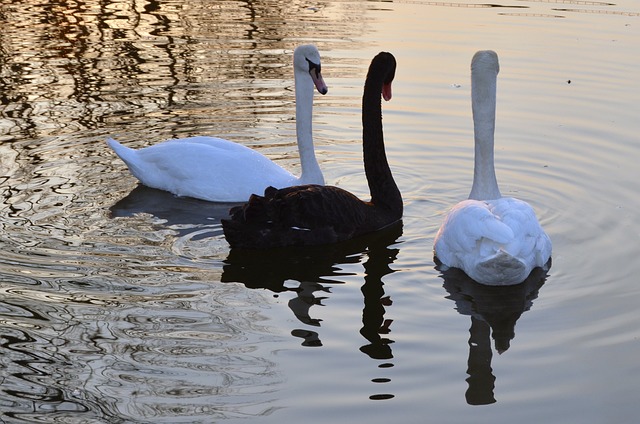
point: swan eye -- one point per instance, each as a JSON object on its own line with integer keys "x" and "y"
{"x": 314, "y": 66}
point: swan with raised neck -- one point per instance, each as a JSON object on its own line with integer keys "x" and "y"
{"x": 216, "y": 169}
{"x": 495, "y": 240}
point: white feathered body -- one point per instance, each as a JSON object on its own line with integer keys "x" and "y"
{"x": 495, "y": 242}
{"x": 207, "y": 168}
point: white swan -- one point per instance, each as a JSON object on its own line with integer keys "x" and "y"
{"x": 495, "y": 240}
{"x": 215, "y": 169}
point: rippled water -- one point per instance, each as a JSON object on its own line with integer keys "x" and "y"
{"x": 124, "y": 304}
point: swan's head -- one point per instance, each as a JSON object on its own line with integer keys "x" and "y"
{"x": 485, "y": 61}
{"x": 306, "y": 59}
{"x": 384, "y": 64}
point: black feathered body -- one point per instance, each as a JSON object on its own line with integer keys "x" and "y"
{"x": 303, "y": 216}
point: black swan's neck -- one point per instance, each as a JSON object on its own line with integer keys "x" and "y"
{"x": 383, "y": 188}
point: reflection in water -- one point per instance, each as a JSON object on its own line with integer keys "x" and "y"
{"x": 494, "y": 311}
{"x": 374, "y": 325}
{"x": 17, "y": 348}
{"x": 179, "y": 213}
{"x": 119, "y": 352}
{"x": 83, "y": 65}
{"x": 313, "y": 268}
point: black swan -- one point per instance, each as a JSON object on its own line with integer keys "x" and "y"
{"x": 312, "y": 214}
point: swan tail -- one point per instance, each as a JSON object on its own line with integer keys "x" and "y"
{"x": 258, "y": 223}
{"x": 501, "y": 269}
{"x": 250, "y": 223}
{"x": 125, "y": 153}
{"x": 130, "y": 157}
{"x": 292, "y": 216}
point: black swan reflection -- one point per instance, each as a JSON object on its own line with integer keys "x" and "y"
{"x": 494, "y": 311}
{"x": 314, "y": 269}
{"x": 374, "y": 326}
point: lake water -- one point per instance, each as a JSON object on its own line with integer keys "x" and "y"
{"x": 124, "y": 305}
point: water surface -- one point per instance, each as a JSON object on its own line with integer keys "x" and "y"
{"x": 124, "y": 304}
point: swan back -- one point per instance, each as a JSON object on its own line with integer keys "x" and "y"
{"x": 207, "y": 168}
{"x": 495, "y": 242}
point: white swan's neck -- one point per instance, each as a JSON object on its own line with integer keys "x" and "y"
{"x": 483, "y": 103}
{"x": 304, "y": 87}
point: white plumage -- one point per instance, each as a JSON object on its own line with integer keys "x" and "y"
{"x": 216, "y": 169}
{"x": 495, "y": 240}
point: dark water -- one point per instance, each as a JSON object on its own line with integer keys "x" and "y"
{"x": 124, "y": 304}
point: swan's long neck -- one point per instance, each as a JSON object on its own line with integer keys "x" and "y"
{"x": 304, "y": 115}
{"x": 383, "y": 188}
{"x": 483, "y": 103}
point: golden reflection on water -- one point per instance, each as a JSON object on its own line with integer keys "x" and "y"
{"x": 88, "y": 64}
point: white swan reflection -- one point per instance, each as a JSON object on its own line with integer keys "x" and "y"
{"x": 494, "y": 311}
